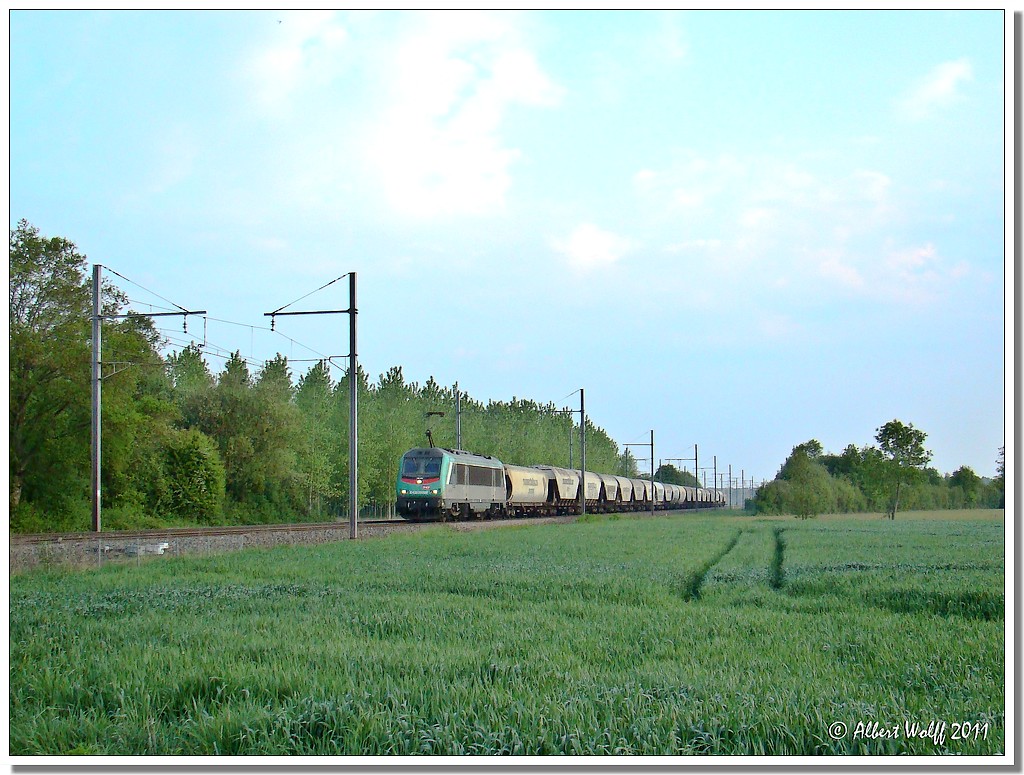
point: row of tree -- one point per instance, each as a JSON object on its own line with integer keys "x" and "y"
{"x": 888, "y": 477}
{"x": 183, "y": 445}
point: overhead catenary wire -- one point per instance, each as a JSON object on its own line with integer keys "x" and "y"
{"x": 173, "y": 339}
{"x": 149, "y": 304}
{"x": 293, "y": 341}
{"x": 252, "y": 327}
{"x": 325, "y": 285}
{"x": 143, "y": 287}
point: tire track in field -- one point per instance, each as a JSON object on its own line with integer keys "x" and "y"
{"x": 776, "y": 574}
{"x": 691, "y": 584}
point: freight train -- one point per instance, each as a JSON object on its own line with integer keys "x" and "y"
{"x": 441, "y": 484}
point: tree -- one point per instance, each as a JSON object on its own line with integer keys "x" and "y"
{"x": 811, "y": 482}
{"x": 188, "y": 371}
{"x": 1000, "y": 481}
{"x": 812, "y": 449}
{"x": 256, "y": 429}
{"x": 864, "y": 468}
{"x": 138, "y": 410}
{"x": 968, "y": 482}
{"x": 810, "y": 491}
{"x": 338, "y": 421}
{"x": 671, "y": 475}
{"x": 772, "y": 497}
{"x": 627, "y": 464}
{"x": 803, "y": 486}
{"x": 192, "y": 388}
{"x": 192, "y": 485}
{"x": 397, "y": 413}
{"x": 275, "y": 380}
{"x": 902, "y": 447}
{"x": 276, "y": 427}
{"x": 50, "y": 312}
{"x": 49, "y": 309}
{"x": 319, "y": 450}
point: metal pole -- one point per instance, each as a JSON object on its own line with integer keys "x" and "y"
{"x": 96, "y": 398}
{"x": 652, "y": 472}
{"x": 353, "y": 373}
{"x": 730, "y": 485}
{"x": 458, "y": 417}
{"x": 583, "y": 456}
{"x": 568, "y": 412}
{"x": 714, "y": 481}
{"x": 353, "y": 426}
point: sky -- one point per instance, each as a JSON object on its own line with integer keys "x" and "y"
{"x": 740, "y": 230}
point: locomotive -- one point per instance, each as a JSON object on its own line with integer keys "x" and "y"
{"x": 436, "y": 483}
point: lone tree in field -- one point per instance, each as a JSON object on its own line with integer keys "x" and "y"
{"x": 902, "y": 447}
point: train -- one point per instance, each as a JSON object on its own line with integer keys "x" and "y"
{"x": 436, "y": 483}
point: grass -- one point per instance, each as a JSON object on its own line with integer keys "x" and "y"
{"x": 681, "y": 635}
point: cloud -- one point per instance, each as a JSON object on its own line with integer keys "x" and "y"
{"x": 909, "y": 260}
{"x": 760, "y": 197}
{"x": 756, "y": 218}
{"x": 778, "y": 327}
{"x": 916, "y": 274}
{"x": 939, "y": 89}
{"x": 644, "y": 178}
{"x": 912, "y": 273}
{"x": 908, "y": 274}
{"x": 695, "y": 244}
{"x": 590, "y": 248}
{"x": 408, "y": 108}
{"x": 752, "y": 190}
{"x": 669, "y": 41}
{"x": 176, "y": 150}
{"x": 873, "y": 185}
{"x": 834, "y": 269}
{"x": 764, "y": 221}
{"x": 437, "y": 148}
{"x": 305, "y": 55}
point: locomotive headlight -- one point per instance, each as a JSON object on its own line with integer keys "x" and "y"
{"x": 434, "y": 492}
{"x": 405, "y": 492}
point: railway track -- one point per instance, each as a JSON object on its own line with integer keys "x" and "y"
{"x": 95, "y": 549}
{"x": 191, "y": 532}
{"x": 35, "y": 550}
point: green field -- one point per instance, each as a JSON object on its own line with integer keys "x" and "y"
{"x": 675, "y": 635}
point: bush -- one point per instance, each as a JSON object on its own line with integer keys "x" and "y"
{"x": 65, "y": 514}
{"x": 129, "y": 518}
{"x": 848, "y": 498}
{"x": 193, "y": 477}
{"x": 771, "y": 498}
{"x": 29, "y": 518}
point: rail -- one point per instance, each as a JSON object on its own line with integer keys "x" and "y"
{"x": 192, "y": 532}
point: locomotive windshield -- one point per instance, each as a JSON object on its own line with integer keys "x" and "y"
{"x": 421, "y": 467}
